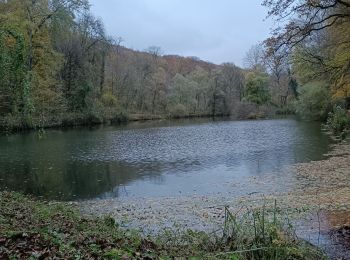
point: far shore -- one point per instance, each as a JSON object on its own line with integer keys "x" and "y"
{"x": 88, "y": 122}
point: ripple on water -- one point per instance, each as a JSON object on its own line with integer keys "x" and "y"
{"x": 154, "y": 160}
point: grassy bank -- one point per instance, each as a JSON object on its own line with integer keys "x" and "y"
{"x": 38, "y": 230}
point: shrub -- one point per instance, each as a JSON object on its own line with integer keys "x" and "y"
{"x": 96, "y": 112}
{"x": 178, "y": 110}
{"x": 109, "y": 100}
{"x": 286, "y": 110}
{"x": 338, "y": 120}
{"x": 248, "y": 110}
{"x": 314, "y": 101}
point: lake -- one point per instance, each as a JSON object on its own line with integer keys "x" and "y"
{"x": 156, "y": 158}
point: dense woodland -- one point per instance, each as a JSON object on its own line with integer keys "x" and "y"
{"x": 58, "y": 67}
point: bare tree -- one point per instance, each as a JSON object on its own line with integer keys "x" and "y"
{"x": 254, "y": 57}
{"x": 117, "y": 43}
{"x": 233, "y": 79}
{"x": 155, "y": 51}
{"x": 305, "y": 18}
{"x": 277, "y": 65}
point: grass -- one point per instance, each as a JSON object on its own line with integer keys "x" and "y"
{"x": 31, "y": 229}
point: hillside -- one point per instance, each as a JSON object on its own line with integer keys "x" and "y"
{"x": 59, "y": 67}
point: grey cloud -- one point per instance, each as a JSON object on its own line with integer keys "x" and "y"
{"x": 218, "y": 31}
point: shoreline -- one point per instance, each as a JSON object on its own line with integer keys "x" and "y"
{"x": 317, "y": 187}
{"x": 4, "y": 129}
{"x": 32, "y": 229}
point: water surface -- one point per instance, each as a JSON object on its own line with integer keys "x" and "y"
{"x": 151, "y": 159}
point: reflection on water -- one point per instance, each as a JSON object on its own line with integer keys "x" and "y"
{"x": 164, "y": 158}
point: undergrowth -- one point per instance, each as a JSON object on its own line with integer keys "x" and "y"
{"x": 339, "y": 121}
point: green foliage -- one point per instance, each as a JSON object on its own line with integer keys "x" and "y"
{"x": 182, "y": 95}
{"x": 306, "y": 70}
{"x": 13, "y": 84}
{"x": 314, "y": 101}
{"x": 256, "y": 89}
{"x": 260, "y": 235}
{"x": 338, "y": 120}
{"x": 286, "y": 110}
{"x": 319, "y": 47}
{"x": 178, "y": 110}
{"x": 321, "y": 41}
{"x": 251, "y": 234}
{"x": 33, "y": 60}
{"x": 109, "y": 100}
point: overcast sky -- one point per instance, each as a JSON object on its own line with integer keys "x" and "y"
{"x": 214, "y": 30}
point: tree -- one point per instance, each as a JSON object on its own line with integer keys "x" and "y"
{"x": 12, "y": 72}
{"x": 83, "y": 72}
{"x": 256, "y": 88}
{"x": 155, "y": 51}
{"x": 58, "y": 66}
{"x": 158, "y": 90}
{"x": 233, "y": 79}
{"x": 201, "y": 78}
{"x": 308, "y": 20}
{"x": 314, "y": 101}
{"x": 30, "y": 20}
{"x": 313, "y": 16}
{"x": 182, "y": 95}
{"x": 277, "y": 64}
{"x": 254, "y": 58}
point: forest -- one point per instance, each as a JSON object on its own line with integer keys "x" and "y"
{"x": 59, "y": 67}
